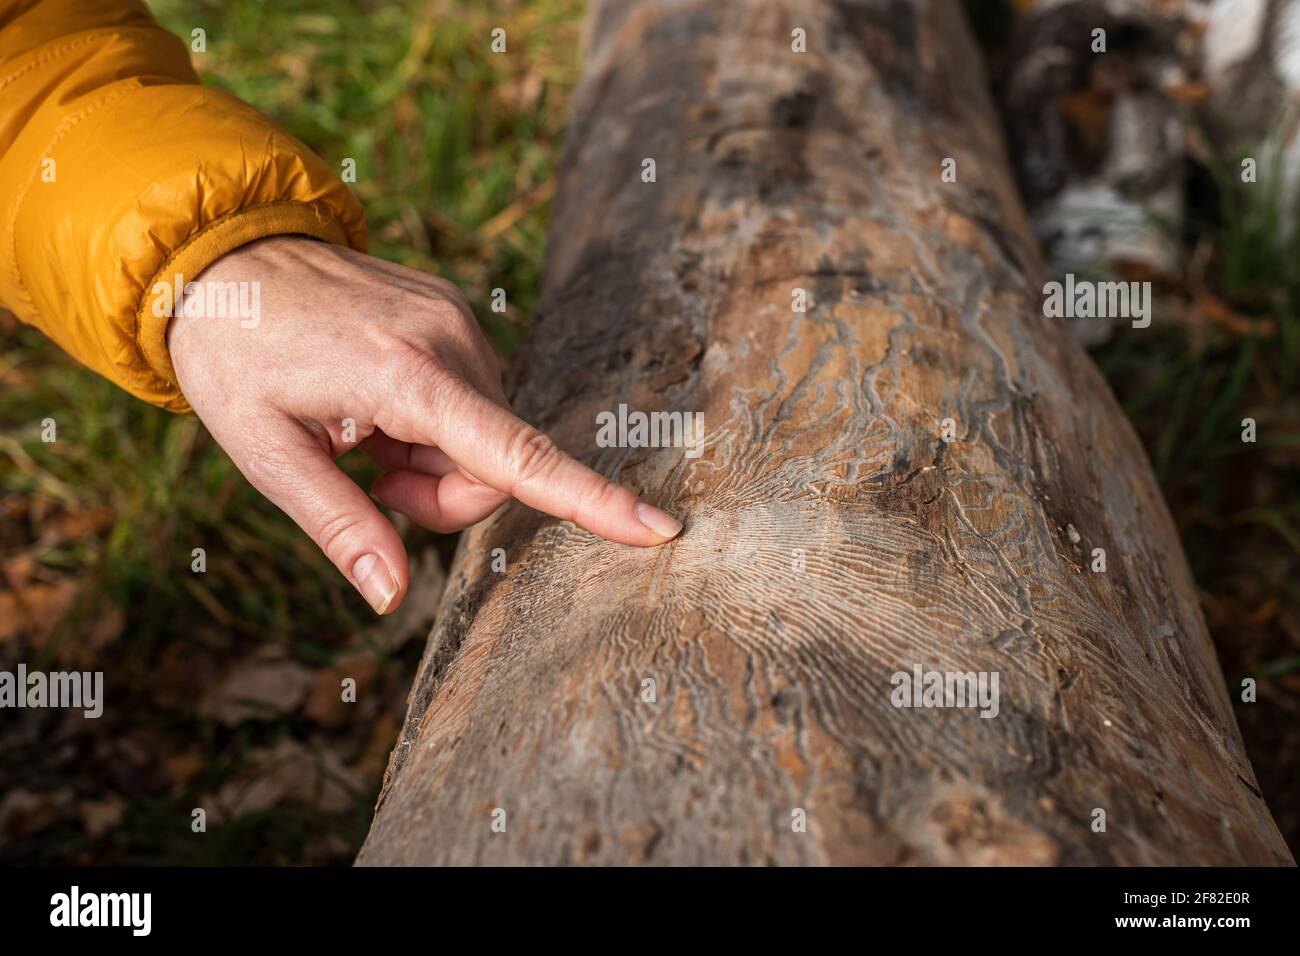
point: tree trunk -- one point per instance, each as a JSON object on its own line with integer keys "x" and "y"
{"x": 731, "y": 697}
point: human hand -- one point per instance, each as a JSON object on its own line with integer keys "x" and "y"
{"x": 344, "y": 336}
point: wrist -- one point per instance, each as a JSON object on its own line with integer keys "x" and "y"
{"x": 225, "y": 296}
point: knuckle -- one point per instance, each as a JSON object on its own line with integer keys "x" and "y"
{"x": 333, "y": 535}
{"x": 415, "y": 388}
{"x": 441, "y": 313}
{"x": 450, "y": 300}
{"x": 533, "y": 457}
{"x": 414, "y": 372}
{"x": 597, "y": 496}
{"x": 266, "y": 467}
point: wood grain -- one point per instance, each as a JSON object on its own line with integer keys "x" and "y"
{"x": 820, "y": 170}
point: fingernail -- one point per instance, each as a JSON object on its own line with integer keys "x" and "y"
{"x": 375, "y": 582}
{"x": 664, "y": 525}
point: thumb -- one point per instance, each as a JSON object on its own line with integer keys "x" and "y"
{"x": 297, "y": 475}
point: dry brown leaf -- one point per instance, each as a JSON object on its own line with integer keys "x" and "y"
{"x": 265, "y": 685}
{"x": 1189, "y": 93}
{"x": 285, "y": 772}
{"x": 34, "y": 610}
{"x": 1216, "y": 310}
{"x": 100, "y": 816}
{"x": 325, "y": 704}
{"x": 1088, "y": 112}
{"x": 105, "y": 628}
{"x": 19, "y": 569}
{"x": 183, "y": 767}
{"x": 8, "y": 616}
{"x": 76, "y": 525}
{"x": 1266, "y": 611}
{"x": 23, "y": 812}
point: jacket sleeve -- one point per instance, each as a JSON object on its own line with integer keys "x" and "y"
{"x": 120, "y": 172}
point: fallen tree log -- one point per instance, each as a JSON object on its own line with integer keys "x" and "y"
{"x": 917, "y": 472}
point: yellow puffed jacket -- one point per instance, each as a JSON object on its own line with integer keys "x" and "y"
{"x": 119, "y": 171}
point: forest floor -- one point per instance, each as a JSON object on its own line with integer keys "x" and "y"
{"x": 226, "y": 683}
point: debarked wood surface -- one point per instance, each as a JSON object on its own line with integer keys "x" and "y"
{"x": 777, "y": 170}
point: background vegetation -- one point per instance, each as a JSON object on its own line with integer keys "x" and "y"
{"x": 225, "y": 684}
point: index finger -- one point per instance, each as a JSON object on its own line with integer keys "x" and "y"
{"x": 503, "y": 451}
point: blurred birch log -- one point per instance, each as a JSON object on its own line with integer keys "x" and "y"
{"x": 731, "y": 697}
